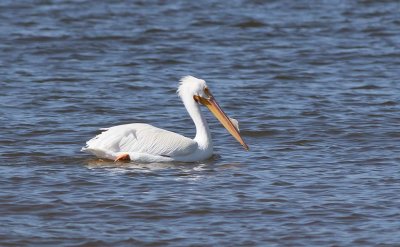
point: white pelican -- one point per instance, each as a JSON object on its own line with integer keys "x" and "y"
{"x": 145, "y": 143}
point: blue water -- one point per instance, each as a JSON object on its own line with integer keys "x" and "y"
{"x": 314, "y": 86}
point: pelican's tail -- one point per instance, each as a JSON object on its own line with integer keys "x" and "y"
{"x": 104, "y": 154}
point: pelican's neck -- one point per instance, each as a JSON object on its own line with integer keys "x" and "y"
{"x": 203, "y": 135}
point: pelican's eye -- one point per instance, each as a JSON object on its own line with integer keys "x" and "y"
{"x": 207, "y": 92}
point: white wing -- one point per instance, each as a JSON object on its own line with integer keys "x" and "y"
{"x": 140, "y": 138}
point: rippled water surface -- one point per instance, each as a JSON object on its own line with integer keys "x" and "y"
{"x": 314, "y": 84}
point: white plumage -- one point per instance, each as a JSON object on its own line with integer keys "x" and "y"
{"x": 146, "y": 143}
{"x": 134, "y": 139}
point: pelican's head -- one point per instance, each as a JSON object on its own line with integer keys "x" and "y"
{"x": 198, "y": 90}
{"x": 190, "y": 86}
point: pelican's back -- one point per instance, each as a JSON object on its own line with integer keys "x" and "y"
{"x": 139, "y": 138}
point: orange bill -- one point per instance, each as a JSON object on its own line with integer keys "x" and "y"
{"x": 213, "y": 106}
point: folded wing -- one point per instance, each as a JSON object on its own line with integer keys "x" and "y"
{"x": 141, "y": 138}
